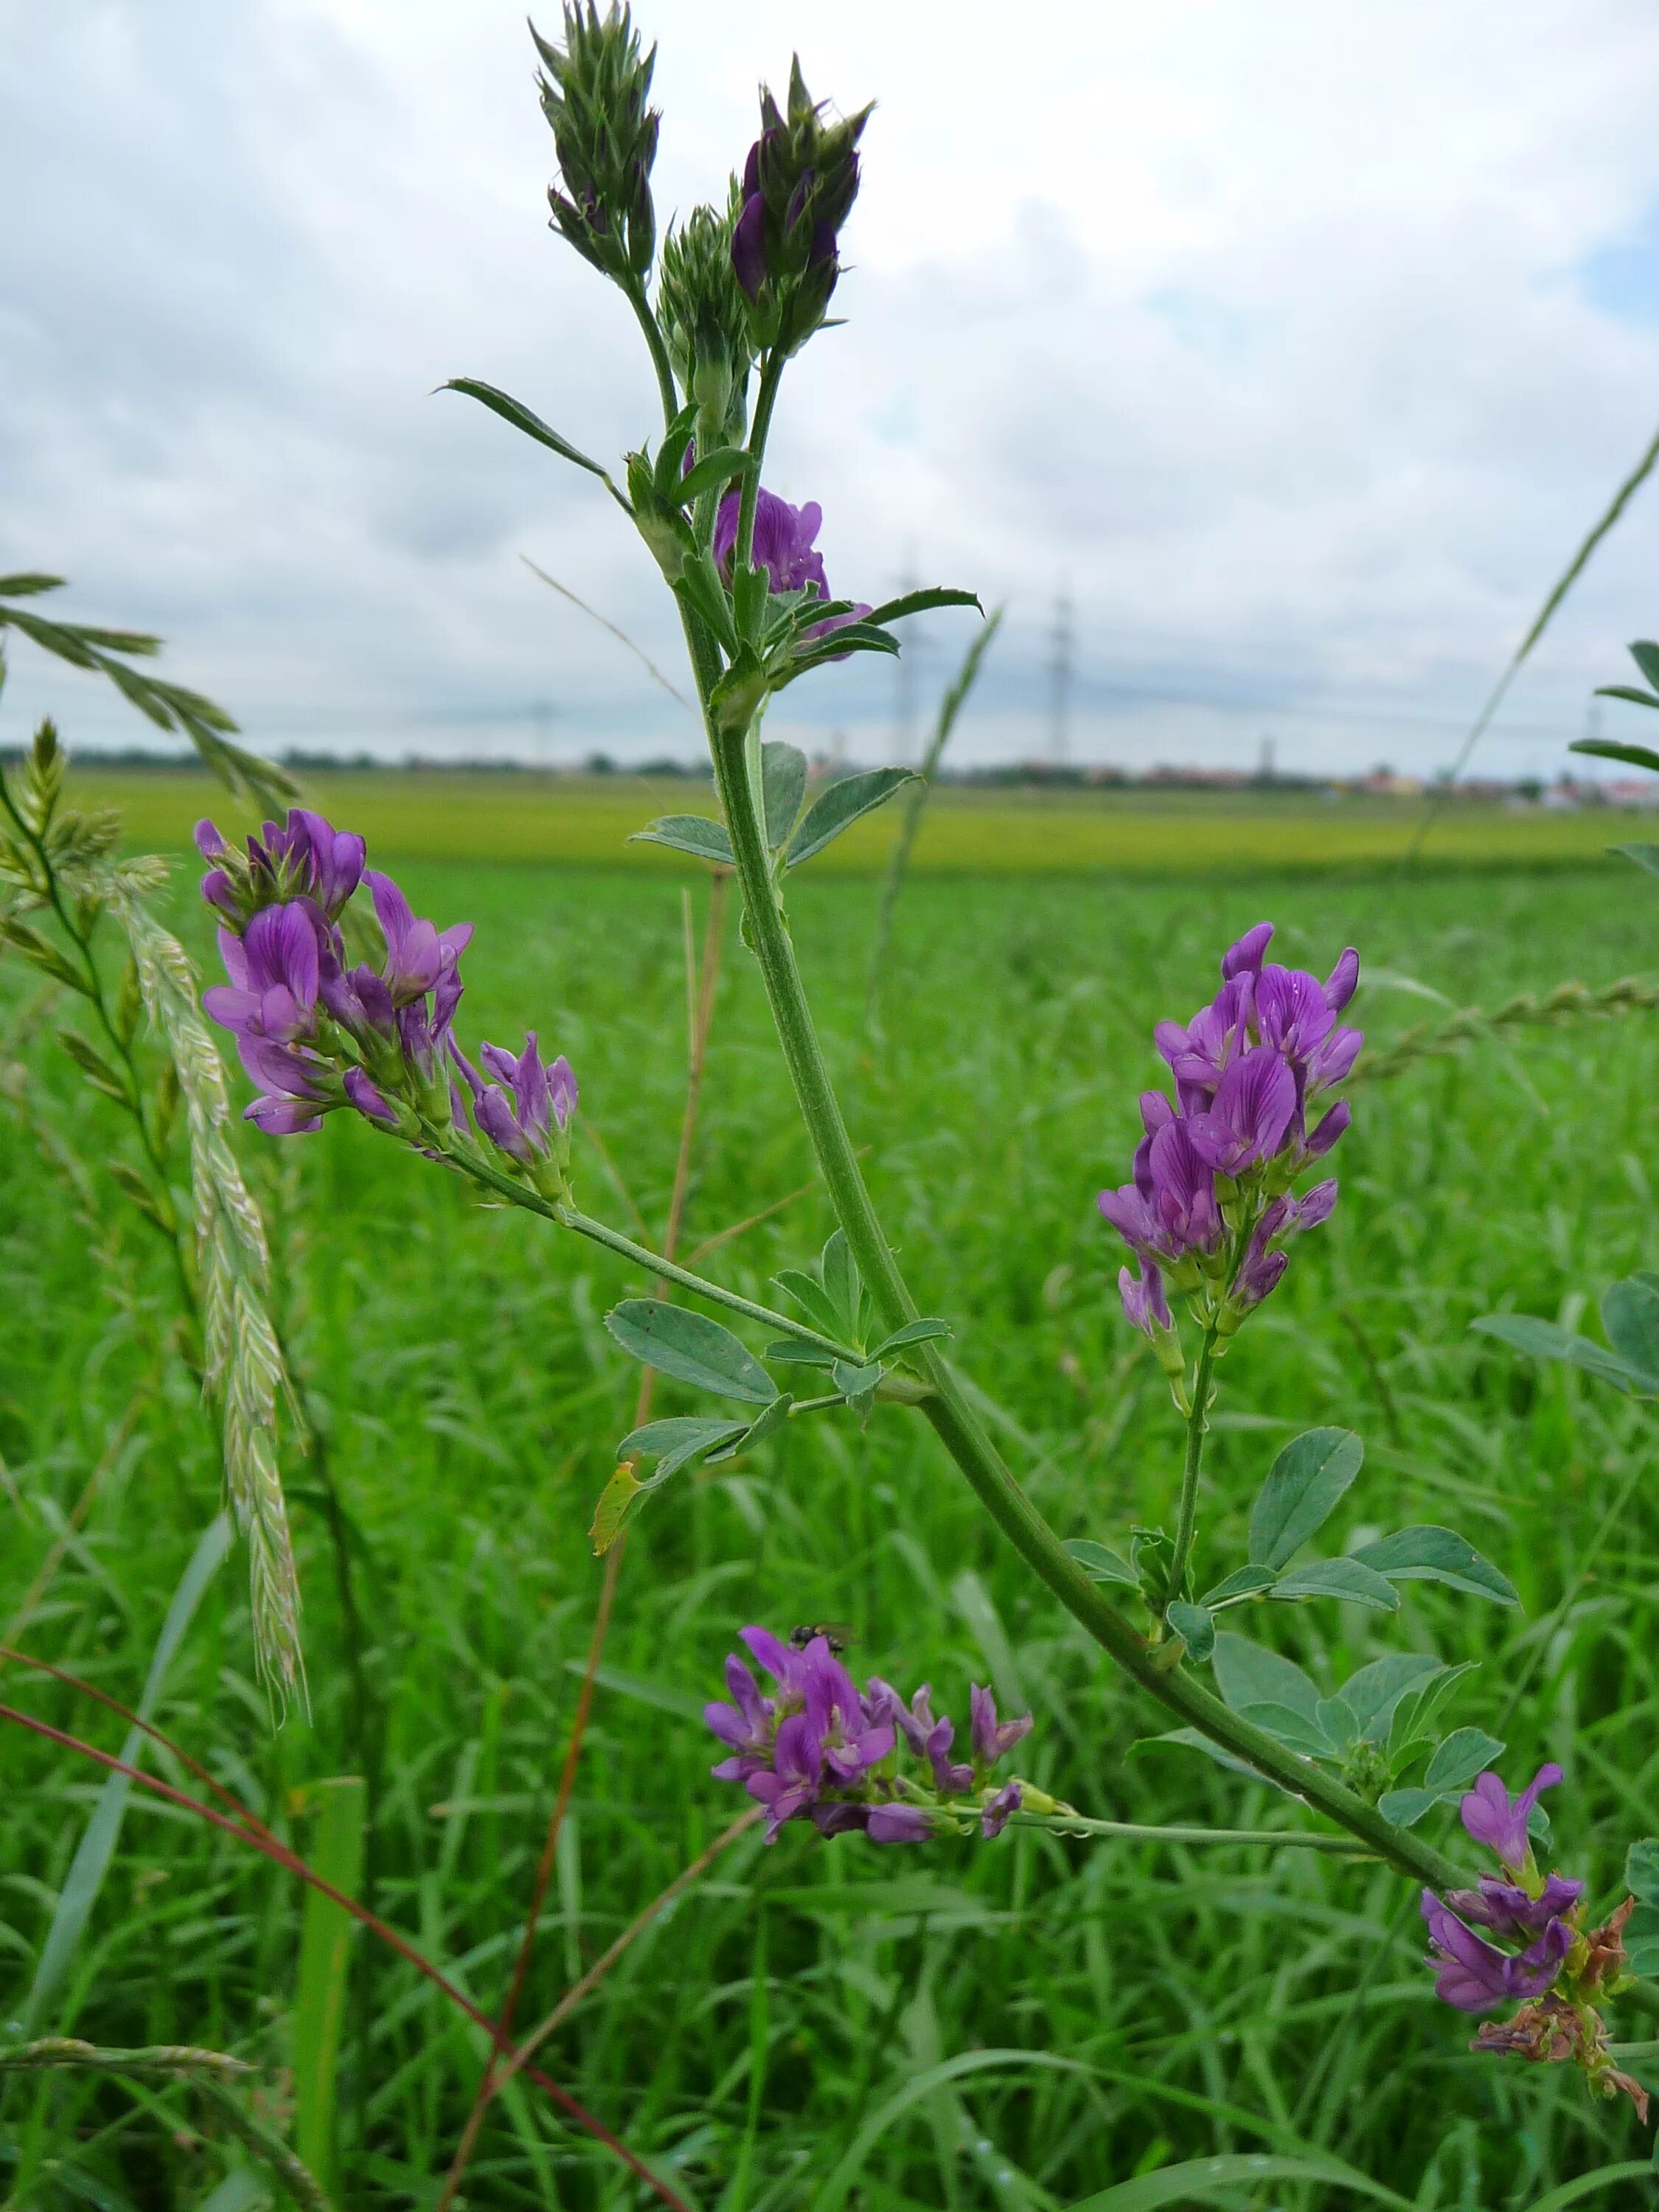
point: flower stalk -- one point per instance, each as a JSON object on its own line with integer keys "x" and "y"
{"x": 947, "y": 1409}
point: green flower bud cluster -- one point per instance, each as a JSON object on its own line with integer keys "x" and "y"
{"x": 704, "y": 315}
{"x": 798, "y": 186}
{"x": 594, "y": 99}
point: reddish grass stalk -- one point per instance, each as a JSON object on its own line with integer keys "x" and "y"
{"x": 294, "y": 1864}
{"x": 700, "y": 988}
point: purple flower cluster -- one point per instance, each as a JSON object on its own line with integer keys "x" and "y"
{"x": 784, "y": 546}
{"x": 317, "y": 1034}
{"x": 1518, "y": 1908}
{"x": 1209, "y": 1207}
{"x": 1541, "y": 1956}
{"x": 820, "y": 1748}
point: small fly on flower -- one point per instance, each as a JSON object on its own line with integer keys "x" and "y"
{"x": 837, "y": 1634}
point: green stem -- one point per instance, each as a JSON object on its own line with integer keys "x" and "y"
{"x": 658, "y": 349}
{"x": 766, "y": 397}
{"x": 1198, "y": 1424}
{"x": 570, "y": 1216}
{"x": 1073, "y": 1824}
{"x": 948, "y": 1409}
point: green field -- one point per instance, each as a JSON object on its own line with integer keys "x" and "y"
{"x": 1011, "y": 2026}
{"x": 967, "y": 830}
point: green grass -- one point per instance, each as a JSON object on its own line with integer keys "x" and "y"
{"x": 585, "y": 821}
{"x": 1011, "y": 2026}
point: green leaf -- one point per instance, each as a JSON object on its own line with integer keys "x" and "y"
{"x": 1645, "y": 856}
{"x": 1244, "y": 1582}
{"x": 1406, "y": 1807}
{"x": 914, "y": 1332}
{"x": 1249, "y": 1674}
{"x": 1543, "y": 1339}
{"x": 1430, "y": 1554}
{"x": 1305, "y": 1737}
{"x": 691, "y": 1348}
{"x": 840, "y": 806}
{"x": 783, "y": 786}
{"x": 515, "y": 413}
{"x": 751, "y": 590}
{"x": 1196, "y": 1739}
{"x": 620, "y": 1494}
{"x": 1630, "y": 1315}
{"x": 1641, "y": 1870}
{"x": 839, "y": 1274}
{"x": 689, "y": 833}
{"x": 1416, "y": 1715}
{"x": 764, "y": 1424}
{"x": 26, "y": 584}
{"x": 1610, "y": 748}
{"x": 812, "y": 1297}
{"x": 1645, "y": 653}
{"x": 1351, "y": 1579}
{"x": 715, "y": 473}
{"x": 856, "y": 1384}
{"x": 1466, "y": 1752}
{"x": 921, "y": 603}
{"x": 1100, "y": 1564}
{"x": 673, "y": 1443}
{"x": 792, "y": 1352}
{"x": 668, "y": 477}
{"x": 1337, "y": 1724}
{"x": 1642, "y": 1941}
{"x": 1373, "y": 1693}
{"x": 699, "y": 585}
{"x": 1303, "y": 1489}
{"x": 1195, "y": 1629}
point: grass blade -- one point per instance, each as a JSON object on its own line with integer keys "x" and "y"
{"x": 324, "y": 1970}
{"x": 91, "y": 1861}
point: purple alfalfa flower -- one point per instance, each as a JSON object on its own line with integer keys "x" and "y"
{"x": 1495, "y": 1819}
{"x": 745, "y": 1725}
{"x": 1169, "y": 1211}
{"x": 996, "y": 1812}
{"x": 783, "y": 546}
{"x": 520, "y": 1110}
{"x": 1245, "y": 957}
{"x": 1512, "y": 1911}
{"x": 749, "y": 233}
{"x": 419, "y": 957}
{"x": 897, "y": 1823}
{"x": 851, "y": 1736}
{"x": 993, "y": 1739}
{"x": 369, "y": 1100}
{"x": 783, "y": 541}
{"x": 1183, "y": 1190}
{"x": 1474, "y": 1975}
{"x": 1146, "y": 1307}
{"x": 1254, "y": 1105}
{"x": 294, "y": 1086}
{"x": 790, "y": 1785}
{"x": 1200, "y": 1054}
{"x": 275, "y": 968}
{"x": 1264, "y": 1262}
{"x": 305, "y": 857}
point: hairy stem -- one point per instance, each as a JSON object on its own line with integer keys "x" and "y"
{"x": 1198, "y": 1426}
{"x": 766, "y": 398}
{"x": 948, "y": 1409}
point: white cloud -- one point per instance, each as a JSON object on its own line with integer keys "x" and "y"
{"x": 1275, "y": 333}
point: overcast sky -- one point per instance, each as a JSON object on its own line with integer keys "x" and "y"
{"x": 1299, "y": 341}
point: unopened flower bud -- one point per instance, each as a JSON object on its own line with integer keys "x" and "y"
{"x": 594, "y": 96}
{"x": 799, "y": 185}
